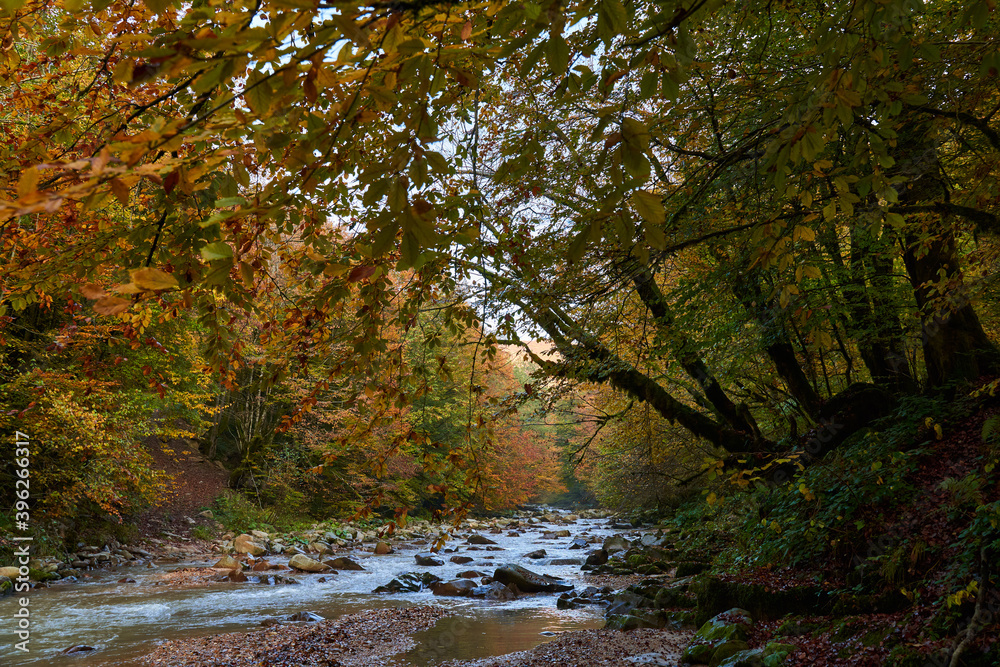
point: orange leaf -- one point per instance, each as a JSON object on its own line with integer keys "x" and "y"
{"x": 93, "y": 292}
{"x": 111, "y": 305}
{"x": 360, "y": 273}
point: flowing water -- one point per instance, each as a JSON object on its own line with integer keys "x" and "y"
{"x": 125, "y": 619}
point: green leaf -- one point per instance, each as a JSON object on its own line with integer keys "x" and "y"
{"x": 649, "y": 206}
{"x": 557, "y": 53}
{"x": 217, "y": 250}
{"x": 611, "y": 19}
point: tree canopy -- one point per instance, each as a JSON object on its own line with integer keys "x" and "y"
{"x": 751, "y": 217}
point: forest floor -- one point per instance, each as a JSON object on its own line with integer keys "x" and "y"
{"x": 196, "y": 483}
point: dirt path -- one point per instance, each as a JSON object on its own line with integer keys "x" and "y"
{"x": 197, "y": 482}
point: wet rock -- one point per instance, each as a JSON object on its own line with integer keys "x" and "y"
{"x": 382, "y": 548}
{"x": 720, "y": 638}
{"x": 625, "y": 603}
{"x": 512, "y": 574}
{"x": 305, "y": 617}
{"x": 597, "y": 557}
{"x": 244, "y": 544}
{"x": 261, "y": 566}
{"x": 616, "y": 543}
{"x": 495, "y": 592}
{"x": 565, "y": 561}
{"x": 579, "y": 543}
{"x": 471, "y": 574}
{"x": 409, "y": 582}
{"x": 344, "y": 564}
{"x": 428, "y": 560}
{"x": 237, "y": 576}
{"x": 461, "y": 560}
{"x": 537, "y": 553}
{"x": 227, "y": 563}
{"x": 479, "y": 539}
{"x": 319, "y": 548}
{"x": 455, "y": 588}
{"x": 307, "y": 564}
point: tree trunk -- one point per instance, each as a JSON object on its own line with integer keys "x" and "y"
{"x": 777, "y": 345}
{"x": 685, "y": 352}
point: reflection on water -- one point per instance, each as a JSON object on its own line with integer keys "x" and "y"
{"x": 124, "y": 619}
{"x": 482, "y": 632}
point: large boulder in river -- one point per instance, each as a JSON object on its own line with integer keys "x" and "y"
{"x": 513, "y": 574}
{"x": 307, "y": 564}
{"x": 344, "y": 564}
{"x": 537, "y": 553}
{"x": 597, "y": 558}
{"x": 244, "y": 544}
{"x": 456, "y": 588}
{"x": 382, "y": 548}
{"x": 616, "y": 543}
{"x": 495, "y": 591}
{"x": 408, "y": 582}
{"x": 428, "y": 560}
{"x": 479, "y": 539}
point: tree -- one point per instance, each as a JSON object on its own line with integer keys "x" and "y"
{"x": 557, "y": 158}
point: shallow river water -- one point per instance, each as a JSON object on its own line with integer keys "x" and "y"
{"x": 125, "y": 619}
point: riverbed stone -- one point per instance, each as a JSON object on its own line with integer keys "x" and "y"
{"x": 461, "y": 560}
{"x": 495, "y": 592}
{"x": 479, "y": 539}
{"x": 408, "y": 582}
{"x": 244, "y": 544}
{"x": 227, "y": 563}
{"x": 428, "y": 560}
{"x": 307, "y": 564}
{"x": 513, "y": 574}
{"x": 615, "y": 543}
{"x": 344, "y": 564}
{"x": 11, "y": 572}
{"x": 382, "y": 548}
{"x": 537, "y": 553}
{"x": 455, "y": 588}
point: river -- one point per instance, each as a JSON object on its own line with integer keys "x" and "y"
{"x": 123, "y": 620}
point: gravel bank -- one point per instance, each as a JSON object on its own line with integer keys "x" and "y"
{"x": 366, "y": 638}
{"x": 593, "y": 648}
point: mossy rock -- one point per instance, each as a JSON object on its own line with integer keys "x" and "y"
{"x": 42, "y": 575}
{"x": 795, "y": 626}
{"x": 775, "y": 653}
{"x": 674, "y": 597}
{"x": 720, "y": 628}
{"x": 679, "y": 620}
{"x": 875, "y": 636}
{"x": 698, "y": 653}
{"x": 637, "y": 560}
{"x": 726, "y": 653}
{"x": 688, "y": 568}
{"x": 6, "y": 586}
{"x": 715, "y": 596}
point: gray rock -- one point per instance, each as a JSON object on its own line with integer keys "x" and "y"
{"x": 428, "y": 560}
{"x": 512, "y": 574}
{"x": 307, "y": 564}
{"x": 344, "y": 564}
{"x": 409, "y": 582}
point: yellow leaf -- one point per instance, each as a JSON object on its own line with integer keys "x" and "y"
{"x": 803, "y": 233}
{"x": 153, "y": 279}
{"x": 28, "y": 182}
